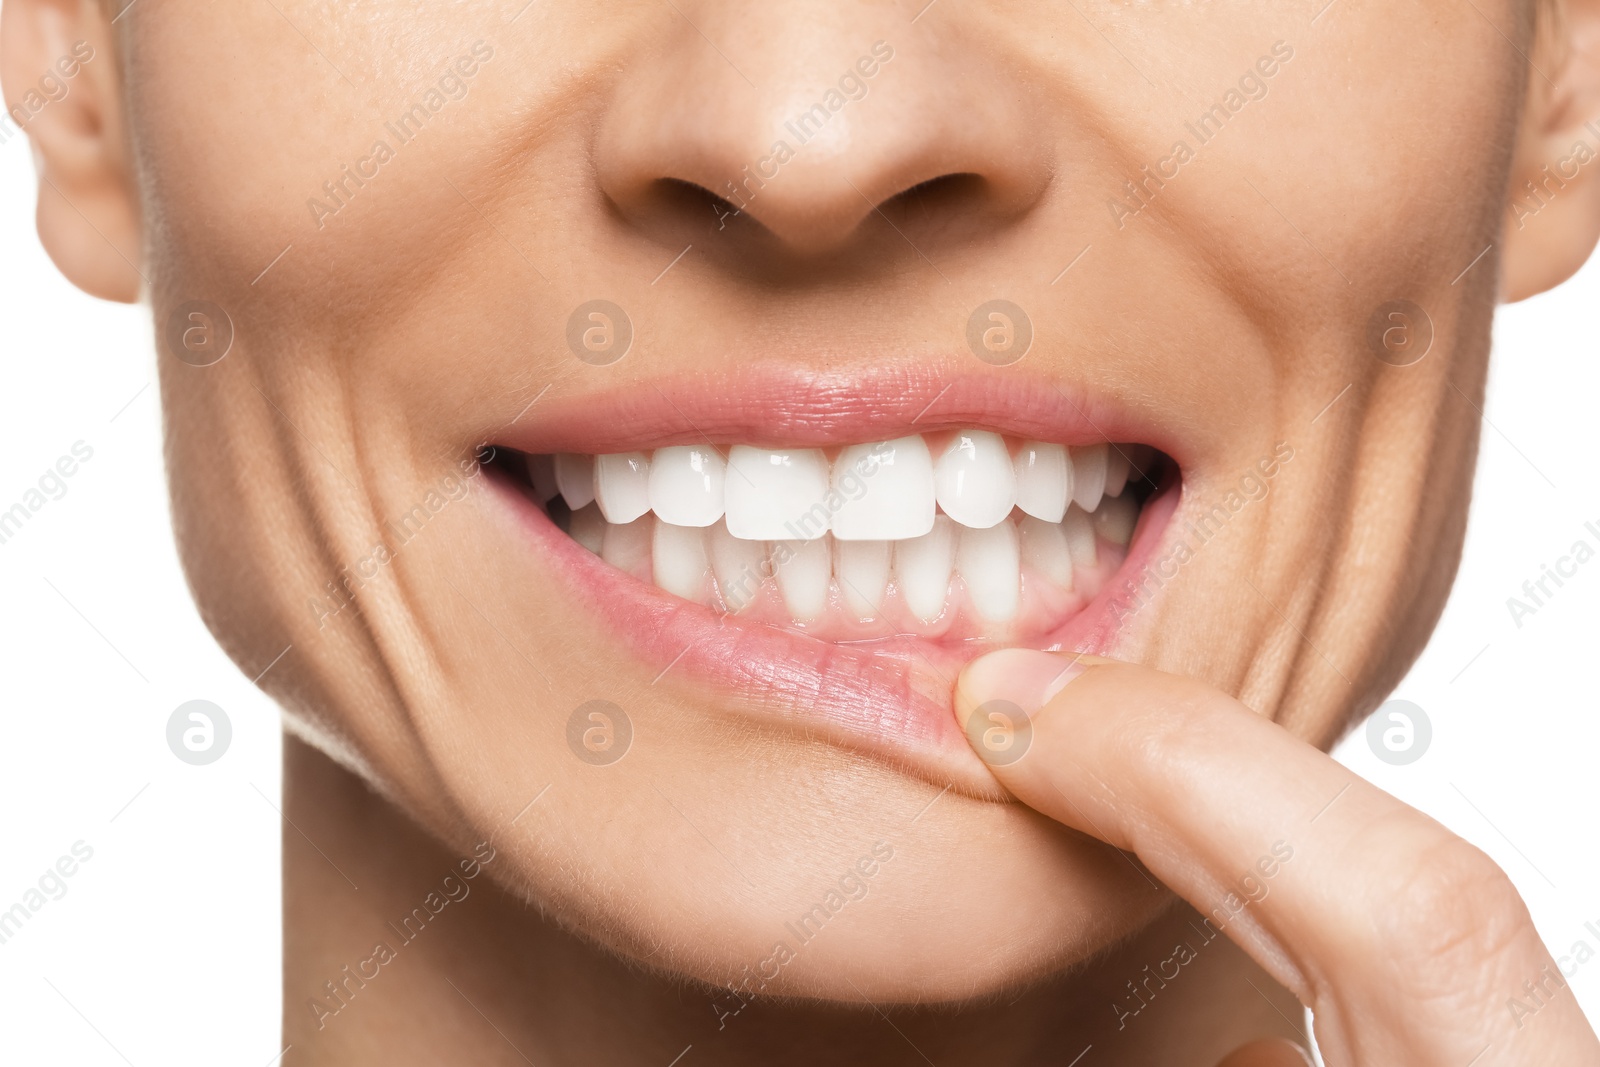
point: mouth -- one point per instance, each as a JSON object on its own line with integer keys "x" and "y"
{"x": 830, "y": 573}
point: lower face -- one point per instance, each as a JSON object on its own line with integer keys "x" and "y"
{"x": 699, "y": 598}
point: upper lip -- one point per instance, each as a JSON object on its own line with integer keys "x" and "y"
{"x": 798, "y": 407}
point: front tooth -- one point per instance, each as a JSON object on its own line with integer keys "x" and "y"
{"x": 542, "y": 473}
{"x": 897, "y": 499}
{"x": 686, "y": 485}
{"x": 1089, "y": 476}
{"x": 621, "y": 485}
{"x": 804, "y": 568}
{"x": 575, "y": 479}
{"x": 737, "y": 564}
{"x": 974, "y": 480}
{"x": 862, "y": 568}
{"x": 679, "y": 562}
{"x": 1116, "y": 519}
{"x": 1044, "y": 480}
{"x": 1079, "y": 528}
{"x": 777, "y": 495}
{"x": 1045, "y": 551}
{"x": 1118, "y": 468}
{"x": 588, "y": 528}
{"x": 991, "y": 566}
{"x": 922, "y": 569}
{"x": 626, "y": 546}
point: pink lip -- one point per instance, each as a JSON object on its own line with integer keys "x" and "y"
{"x": 891, "y": 698}
{"x": 776, "y": 406}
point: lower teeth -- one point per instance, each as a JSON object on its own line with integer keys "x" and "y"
{"x": 1022, "y": 575}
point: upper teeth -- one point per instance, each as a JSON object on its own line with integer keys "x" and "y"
{"x": 886, "y": 491}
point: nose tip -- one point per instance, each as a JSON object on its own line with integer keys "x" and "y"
{"x": 816, "y": 147}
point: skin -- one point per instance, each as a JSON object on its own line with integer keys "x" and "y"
{"x": 388, "y": 340}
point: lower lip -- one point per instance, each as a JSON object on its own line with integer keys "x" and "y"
{"x": 892, "y": 698}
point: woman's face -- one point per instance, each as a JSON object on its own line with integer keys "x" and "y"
{"x": 1255, "y": 247}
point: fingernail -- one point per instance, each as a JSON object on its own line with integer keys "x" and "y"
{"x": 1025, "y": 677}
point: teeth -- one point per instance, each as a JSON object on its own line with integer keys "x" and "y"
{"x": 903, "y": 526}
{"x": 777, "y": 495}
{"x": 621, "y": 485}
{"x": 1116, "y": 519}
{"x": 1118, "y": 468}
{"x": 1079, "y": 530}
{"x": 627, "y": 547}
{"x": 974, "y": 480}
{"x": 542, "y": 474}
{"x": 887, "y": 490}
{"x": 804, "y": 570}
{"x": 1044, "y": 549}
{"x": 862, "y": 568}
{"x": 1044, "y": 480}
{"x": 588, "y": 528}
{"x": 737, "y": 564}
{"x": 575, "y": 479}
{"x": 680, "y": 562}
{"x": 686, "y": 485}
{"x": 1089, "y": 476}
{"x": 922, "y": 568}
{"x": 990, "y": 564}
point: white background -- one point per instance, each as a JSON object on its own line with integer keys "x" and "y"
{"x": 164, "y": 949}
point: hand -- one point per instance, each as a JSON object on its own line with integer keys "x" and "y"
{"x": 1409, "y": 945}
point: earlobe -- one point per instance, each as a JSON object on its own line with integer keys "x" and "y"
{"x": 57, "y": 66}
{"x": 1552, "y": 219}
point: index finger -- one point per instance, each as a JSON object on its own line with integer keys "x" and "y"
{"x": 1382, "y": 921}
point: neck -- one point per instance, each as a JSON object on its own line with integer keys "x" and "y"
{"x": 383, "y": 963}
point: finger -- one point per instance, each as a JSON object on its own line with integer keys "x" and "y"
{"x": 1274, "y": 1053}
{"x": 1368, "y": 910}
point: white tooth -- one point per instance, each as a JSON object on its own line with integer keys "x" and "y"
{"x": 1044, "y": 480}
{"x": 588, "y": 528}
{"x": 621, "y": 485}
{"x": 738, "y": 565}
{"x": 679, "y": 562}
{"x": 1079, "y": 528}
{"x": 887, "y": 489}
{"x": 862, "y": 568}
{"x": 1044, "y": 551}
{"x": 686, "y": 485}
{"x": 542, "y": 473}
{"x": 626, "y": 546}
{"x": 974, "y": 480}
{"x": 991, "y": 566}
{"x": 777, "y": 495}
{"x": 804, "y": 569}
{"x": 575, "y": 479}
{"x": 1117, "y": 470}
{"x": 1116, "y": 519}
{"x": 922, "y": 569}
{"x": 1088, "y": 476}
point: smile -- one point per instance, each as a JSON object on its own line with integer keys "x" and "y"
{"x": 953, "y": 536}
{"x": 821, "y": 569}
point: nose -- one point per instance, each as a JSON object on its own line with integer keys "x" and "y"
{"x": 793, "y": 124}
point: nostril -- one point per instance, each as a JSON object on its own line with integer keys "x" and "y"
{"x": 941, "y": 205}
{"x": 939, "y": 201}
{"x": 693, "y": 203}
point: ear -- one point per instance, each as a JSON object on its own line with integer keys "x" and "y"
{"x": 58, "y": 69}
{"x": 1553, "y": 205}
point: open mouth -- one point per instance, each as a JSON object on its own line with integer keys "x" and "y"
{"x": 827, "y": 549}
{"x": 954, "y": 536}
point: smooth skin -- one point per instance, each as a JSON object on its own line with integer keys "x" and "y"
{"x": 378, "y": 345}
